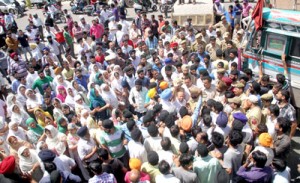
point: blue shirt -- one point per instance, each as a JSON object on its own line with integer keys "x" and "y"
{"x": 152, "y": 44}
{"x": 197, "y": 111}
{"x": 201, "y": 56}
{"x": 83, "y": 81}
{"x": 238, "y": 9}
{"x": 14, "y": 86}
{"x": 126, "y": 131}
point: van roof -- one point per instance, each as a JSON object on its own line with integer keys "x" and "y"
{"x": 281, "y": 16}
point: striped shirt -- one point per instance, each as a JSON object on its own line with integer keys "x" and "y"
{"x": 114, "y": 142}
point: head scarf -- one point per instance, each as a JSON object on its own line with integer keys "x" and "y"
{"x": 109, "y": 96}
{"x": 54, "y": 142}
{"x": 97, "y": 100}
{"x": 27, "y": 92}
{"x": 18, "y": 117}
{"x": 70, "y": 99}
{"x": 61, "y": 129}
{"x": 20, "y": 97}
{"x": 26, "y": 163}
{"x": 41, "y": 121}
{"x": 97, "y": 80}
{"x": 61, "y": 97}
{"x": 38, "y": 129}
{"x": 9, "y": 100}
{"x": 7, "y": 166}
{"x": 14, "y": 146}
{"x": 20, "y": 134}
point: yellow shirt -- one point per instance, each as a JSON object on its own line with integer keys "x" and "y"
{"x": 68, "y": 74}
{"x": 151, "y": 170}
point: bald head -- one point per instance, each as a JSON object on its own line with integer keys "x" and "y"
{"x": 134, "y": 176}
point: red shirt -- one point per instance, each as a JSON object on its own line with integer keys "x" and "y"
{"x": 99, "y": 58}
{"x": 60, "y": 37}
{"x": 129, "y": 43}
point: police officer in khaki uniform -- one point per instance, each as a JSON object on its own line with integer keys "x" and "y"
{"x": 222, "y": 25}
{"x": 235, "y": 103}
{"x": 253, "y": 111}
{"x": 266, "y": 101}
{"x": 219, "y": 36}
{"x": 183, "y": 46}
{"x": 224, "y": 42}
{"x": 212, "y": 47}
{"x": 239, "y": 39}
{"x": 197, "y": 42}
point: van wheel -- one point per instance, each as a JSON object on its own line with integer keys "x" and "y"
{"x": 154, "y": 8}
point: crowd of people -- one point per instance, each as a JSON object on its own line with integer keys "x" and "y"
{"x": 138, "y": 102}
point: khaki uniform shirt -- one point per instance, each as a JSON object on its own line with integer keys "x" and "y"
{"x": 254, "y": 117}
{"x": 195, "y": 44}
{"x": 212, "y": 51}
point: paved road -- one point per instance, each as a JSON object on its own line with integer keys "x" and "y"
{"x": 294, "y": 158}
{"x": 23, "y": 22}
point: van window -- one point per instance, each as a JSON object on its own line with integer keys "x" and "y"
{"x": 256, "y": 40}
{"x": 276, "y": 43}
{"x": 295, "y": 48}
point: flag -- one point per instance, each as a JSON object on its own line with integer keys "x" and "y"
{"x": 257, "y": 14}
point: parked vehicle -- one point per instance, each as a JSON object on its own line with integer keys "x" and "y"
{"x": 38, "y": 3}
{"x": 58, "y": 15}
{"x": 21, "y": 2}
{"x": 11, "y": 8}
{"x": 143, "y": 6}
{"x": 81, "y": 8}
{"x": 279, "y": 35}
{"x": 202, "y": 15}
{"x": 169, "y": 6}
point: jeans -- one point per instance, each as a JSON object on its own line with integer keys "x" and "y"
{"x": 26, "y": 50}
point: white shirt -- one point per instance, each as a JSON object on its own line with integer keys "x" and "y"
{"x": 30, "y": 78}
{"x": 152, "y": 144}
{"x": 139, "y": 97}
{"x": 2, "y": 104}
{"x": 282, "y": 177}
{"x": 166, "y": 179}
{"x": 54, "y": 47}
{"x": 213, "y": 33}
{"x": 248, "y": 132}
{"x": 127, "y": 49}
{"x": 125, "y": 26}
{"x": 179, "y": 104}
{"x": 68, "y": 162}
{"x": 271, "y": 126}
{"x": 37, "y": 22}
{"x": 31, "y": 35}
{"x": 167, "y": 156}
{"x": 224, "y": 131}
{"x": 50, "y": 33}
{"x": 137, "y": 150}
{"x": 85, "y": 47}
{"x": 86, "y": 27}
{"x": 167, "y": 105}
{"x": 119, "y": 36}
{"x": 85, "y": 147}
{"x": 106, "y": 14}
{"x": 136, "y": 61}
